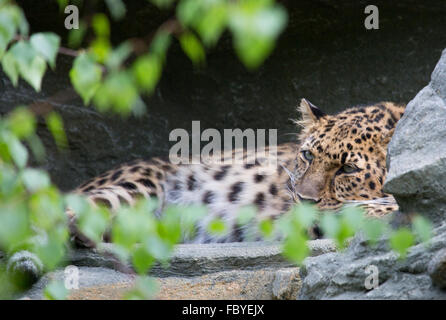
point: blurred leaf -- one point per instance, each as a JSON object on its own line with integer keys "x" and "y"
{"x": 21, "y": 121}
{"x": 142, "y": 260}
{"x": 10, "y": 67}
{"x": 101, "y": 48}
{"x": 7, "y": 31}
{"x": 51, "y": 249}
{"x": 75, "y": 36}
{"x": 101, "y": 26}
{"x": 305, "y": 214}
{"x": 34, "y": 72}
{"x": 422, "y": 228}
{"x": 295, "y": 247}
{"x": 217, "y": 227}
{"x": 374, "y": 229}
{"x": 255, "y": 25}
{"x": 86, "y": 76}
{"x": 245, "y": 215}
{"x": 16, "y": 149}
{"x": 93, "y": 223}
{"x": 37, "y": 148}
{"x": 30, "y": 66}
{"x": 162, "y": 4}
{"x": 330, "y": 225}
{"x": 55, "y": 125}
{"x": 47, "y": 44}
{"x": 14, "y": 226}
{"x": 192, "y": 47}
{"x": 119, "y": 55}
{"x": 55, "y": 290}
{"x": 147, "y": 71}
{"x": 35, "y": 179}
{"x": 401, "y": 241}
{"x": 160, "y": 44}
{"x": 117, "y": 93}
{"x": 117, "y": 8}
{"x": 266, "y": 227}
{"x": 145, "y": 288}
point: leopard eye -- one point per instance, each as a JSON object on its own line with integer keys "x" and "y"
{"x": 348, "y": 168}
{"x": 308, "y": 155}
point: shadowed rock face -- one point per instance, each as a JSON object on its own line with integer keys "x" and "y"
{"x": 325, "y": 55}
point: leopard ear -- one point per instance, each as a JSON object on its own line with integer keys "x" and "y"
{"x": 310, "y": 113}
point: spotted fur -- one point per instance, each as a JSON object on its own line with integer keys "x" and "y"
{"x": 313, "y": 169}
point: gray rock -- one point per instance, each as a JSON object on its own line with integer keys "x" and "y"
{"x": 198, "y": 259}
{"x": 343, "y": 275}
{"x": 437, "y": 269}
{"x": 417, "y": 152}
{"x": 286, "y": 284}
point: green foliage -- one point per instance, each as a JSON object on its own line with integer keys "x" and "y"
{"x": 55, "y": 290}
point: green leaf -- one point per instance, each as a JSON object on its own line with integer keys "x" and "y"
{"x": 75, "y": 36}
{"x": 305, "y": 214}
{"x": 101, "y": 26}
{"x": 255, "y": 26}
{"x": 374, "y": 229}
{"x": 14, "y": 224}
{"x": 7, "y": 31}
{"x": 245, "y": 215}
{"x": 55, "y": 290}
{"x": 145, "y": 288}
{"x": 101, "y": 48}
{"x": 93, "y": 223}
{"x": 119, "y": 55}
{"x": 422, "y": 228}
{"x": 34, "y": 72}
{"x": 35, "y": 179}
{"x": 86, "y": 76}
{"x": 55, "y": 125}
{"x": 212, "y": 24}
{"x": 17, "y": 150}
{"x": 295, "y": 247}
{"x": 217, "y": 227}
{"x": 160, "y": 44}
{"x": 117, "y": 8}
{"x": 330, "y": 225}
{"x": 47, "y": 45}
{"x": 21, "y": 122}
{"x": 266, "y": 227}
{"x": 192, "y": 48}
{"x": 147, "y": 72}
{"x": 401, "y": 241}
{"x": 10, "y": 67}
{"x": 142, "y": 260}
{"x": 118, "y": 92}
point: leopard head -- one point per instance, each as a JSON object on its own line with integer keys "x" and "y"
{"x": 342, "y": 157}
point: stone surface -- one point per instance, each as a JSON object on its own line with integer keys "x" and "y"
{"x": 198, "y": 259}
{"x": 417, "y": 152}
{"x": 343, "y": 275}
{"x": 105, "y": 284}
{"x": 249, "y": 270}
{"x": 437, "y": 269}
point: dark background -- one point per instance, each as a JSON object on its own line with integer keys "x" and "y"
{"x": 325, "y": 55}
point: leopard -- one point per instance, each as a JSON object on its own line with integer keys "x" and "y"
{"x": 337, "y": 160}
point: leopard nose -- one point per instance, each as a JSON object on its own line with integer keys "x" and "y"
{"x": 307, "y": 198}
